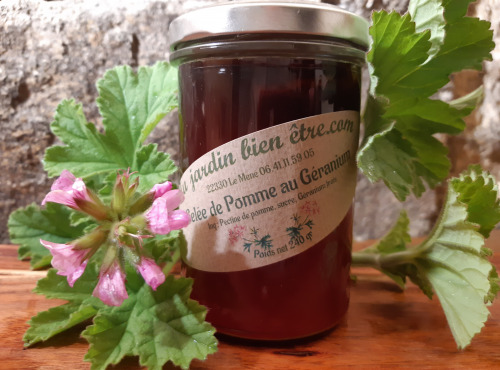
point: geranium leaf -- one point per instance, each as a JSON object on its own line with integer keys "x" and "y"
{"x": 132, "y": 104}
{"x": 412, "y": 57}
{"x": 157, "y": 326}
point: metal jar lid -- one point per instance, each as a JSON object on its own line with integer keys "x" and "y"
{"x": 269, "y": 17}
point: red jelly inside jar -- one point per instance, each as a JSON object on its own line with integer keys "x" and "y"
{"x": 229, "y": 88}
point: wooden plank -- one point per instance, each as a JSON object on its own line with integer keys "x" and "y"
{"x": 383, "y": 328}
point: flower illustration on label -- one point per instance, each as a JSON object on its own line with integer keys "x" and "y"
{"x": 236, "y": 233}
{"x": 258, "y": 242}
{"x": 310, "y": 208}
{"x": 300, "y": 230}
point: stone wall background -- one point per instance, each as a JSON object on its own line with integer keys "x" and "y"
{"x": 53, "y": 50}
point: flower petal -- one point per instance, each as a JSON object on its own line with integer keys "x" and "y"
{"x": 159, "y": 189}
{"x": 178, "y": 219}
{"x": 79, "y": 190}
{"x": 68, "y": 261}
{"x": 111, "y": 286}
{"x": 61, "y": 197}
{"x": 174, "y": 198}
{"x": 64, "y": 181}
{"x": 162, "y": 218}
{"x": 157, "y": 217}
{"x": 151, "y": 273}
{"x": 68, "y": 190}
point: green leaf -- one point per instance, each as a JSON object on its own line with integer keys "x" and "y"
{"x": 456, "y": 50}
{"x": 30, "y": 224}
{"x": 48, "y": 323}
{"x": 396, "y": 49}
{"x": 157, "y": 326}
{"x": 131, "y": 105}
{"x": 161, "y": 247}
{"x": 429, "y": 15}
{"x": 393, "y": 242}
{"x": 109, "y": 337}
{"x": 494, "y": 285}
{"x": 469, "y": 101}
{"x": 483, "y": 207}
{"x": 452, "y": 260}
{"x": 396, "y": 239}
{"x": 462, "y": 277}
{"x": 87, "y": 152}
{"x": 56, "y": 286}
{"x": 153, "y": 166}
{"x": 410, "y": 59}
{"x": 389, "y": 156}
{"x": 81, "y": 307}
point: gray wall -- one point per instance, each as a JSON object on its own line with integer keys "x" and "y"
{"x": 52, "y": 50}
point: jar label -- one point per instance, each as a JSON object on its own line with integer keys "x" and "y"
{"x": 272, "y": 194}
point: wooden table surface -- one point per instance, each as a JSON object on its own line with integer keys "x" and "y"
{"x": 383, "y": 328}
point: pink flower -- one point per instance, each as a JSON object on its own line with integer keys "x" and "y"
{"x": 162, "y": 218}
{"x": 66, "y": 189}
{"x": 151, "y": 273}
{"x": 310, "y": 208}
{"x": 72, "y": 192}
{"x": 160, "y": 189}
{"x": 236, "y": 233}
{"x": 68, "y": 261}
{"x": 111, "y": 286}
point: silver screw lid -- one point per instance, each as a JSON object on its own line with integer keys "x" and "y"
{"x": 275, "y": 17}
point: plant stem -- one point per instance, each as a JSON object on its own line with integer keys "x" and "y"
{"x": 380, "y": 261}
{"x": 365, "y": 259}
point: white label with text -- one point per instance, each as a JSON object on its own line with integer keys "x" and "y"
{"x": 272, "y": 194}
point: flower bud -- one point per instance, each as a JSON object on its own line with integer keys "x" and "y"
{"x": 97, "y": 210}
{"x": 141, "y": 204}
{"x": 132, "y": 188}
{"x": 119, "y": 197}
{"x": 92, "y": 240}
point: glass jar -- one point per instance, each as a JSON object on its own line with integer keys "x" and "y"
{"x": 268, "y": 248}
